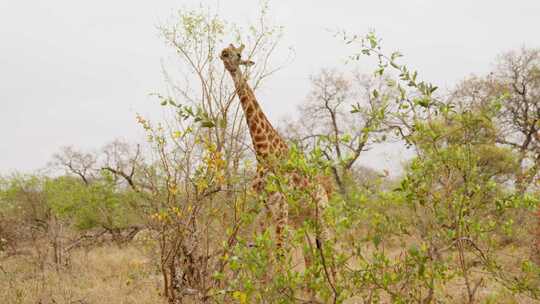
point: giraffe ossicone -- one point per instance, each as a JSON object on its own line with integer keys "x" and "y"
{"x": 232, "y": 57}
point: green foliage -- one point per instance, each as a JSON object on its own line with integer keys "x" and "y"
{"x": 458, "y": 196}
{"x": 36, "y": 198}
{"x": 21, "y": 198}
{"x": 97, "y": 205}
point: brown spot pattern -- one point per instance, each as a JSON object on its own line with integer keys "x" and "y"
{"x": 249, "y": 111}
{"x": 259, "y": 137}
{"x": 261, "y": 145}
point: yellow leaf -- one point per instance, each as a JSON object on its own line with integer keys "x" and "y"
{"x": 240, "y": 296}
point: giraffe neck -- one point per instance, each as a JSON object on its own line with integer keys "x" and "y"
{"x": 266, "y": 140}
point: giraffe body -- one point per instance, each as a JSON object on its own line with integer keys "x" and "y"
{"x": 270, "y": 148}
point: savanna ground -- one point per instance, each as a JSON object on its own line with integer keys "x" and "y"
{"x": 174, "y": 219}
{"x": 109, "y": 273}
{"x": 104, "y": 274}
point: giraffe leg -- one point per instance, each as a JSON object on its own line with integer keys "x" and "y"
{"x": 280, "y": 216}
{"x": 282, "y": 222}
{"x": 308, "y": 262}
{"x": 257, "y": 185}
{"x": 316, "y": 242}
{"x": 322, "y": 236}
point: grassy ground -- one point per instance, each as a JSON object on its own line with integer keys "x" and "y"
{"x": 106, "y": 274}
{"x": 110, "y": 274}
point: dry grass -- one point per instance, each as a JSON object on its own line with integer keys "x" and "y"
{"x": 105, "y": 274}
{"x": 109, "y": 274}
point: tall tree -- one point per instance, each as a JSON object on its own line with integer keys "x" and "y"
{"x": 514, "y": 87}
{"x": 325, "y": 115}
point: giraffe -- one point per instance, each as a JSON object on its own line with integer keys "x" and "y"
{"x": 270, "y": 148}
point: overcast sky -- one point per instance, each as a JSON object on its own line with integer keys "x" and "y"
{"x": 76, "y": 72}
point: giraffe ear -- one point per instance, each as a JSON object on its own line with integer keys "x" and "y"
{"x": 241, "y": 48}
{"x": 247, "y": 62}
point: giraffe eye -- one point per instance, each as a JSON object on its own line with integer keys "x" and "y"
{"x": 238, "y": 55}
{"x": 225, "y": 54}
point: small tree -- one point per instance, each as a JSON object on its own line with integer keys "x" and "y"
{"x": 325, "y": 119}
{"x": 78, "y": 163}
{"x": 98, "y": 205}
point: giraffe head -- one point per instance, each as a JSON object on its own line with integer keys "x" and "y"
{"x": 232, "y": 58}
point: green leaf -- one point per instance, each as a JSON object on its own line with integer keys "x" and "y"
{"x": 377, "y": 239}
{"x": 223, "y": 123}
{"x": 207, "y": 124}
{"x": 423, "y": 102}
{"x": 395, "y": 55}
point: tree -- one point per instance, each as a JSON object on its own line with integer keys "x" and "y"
{"x": 456, "y": 190}
{"x": 515, "y": 86}
{"x": 122, "y": 160}
{"x": 197, "y": 37}
{"x": 87, "y": 206}
{"x": 23, "y": 208}
{"x": 72, "y": 161}
{"x": 325, "y": 119}
{"x": 193, "y": 184}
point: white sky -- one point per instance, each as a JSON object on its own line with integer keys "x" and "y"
{"x": 75, "y": 72}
